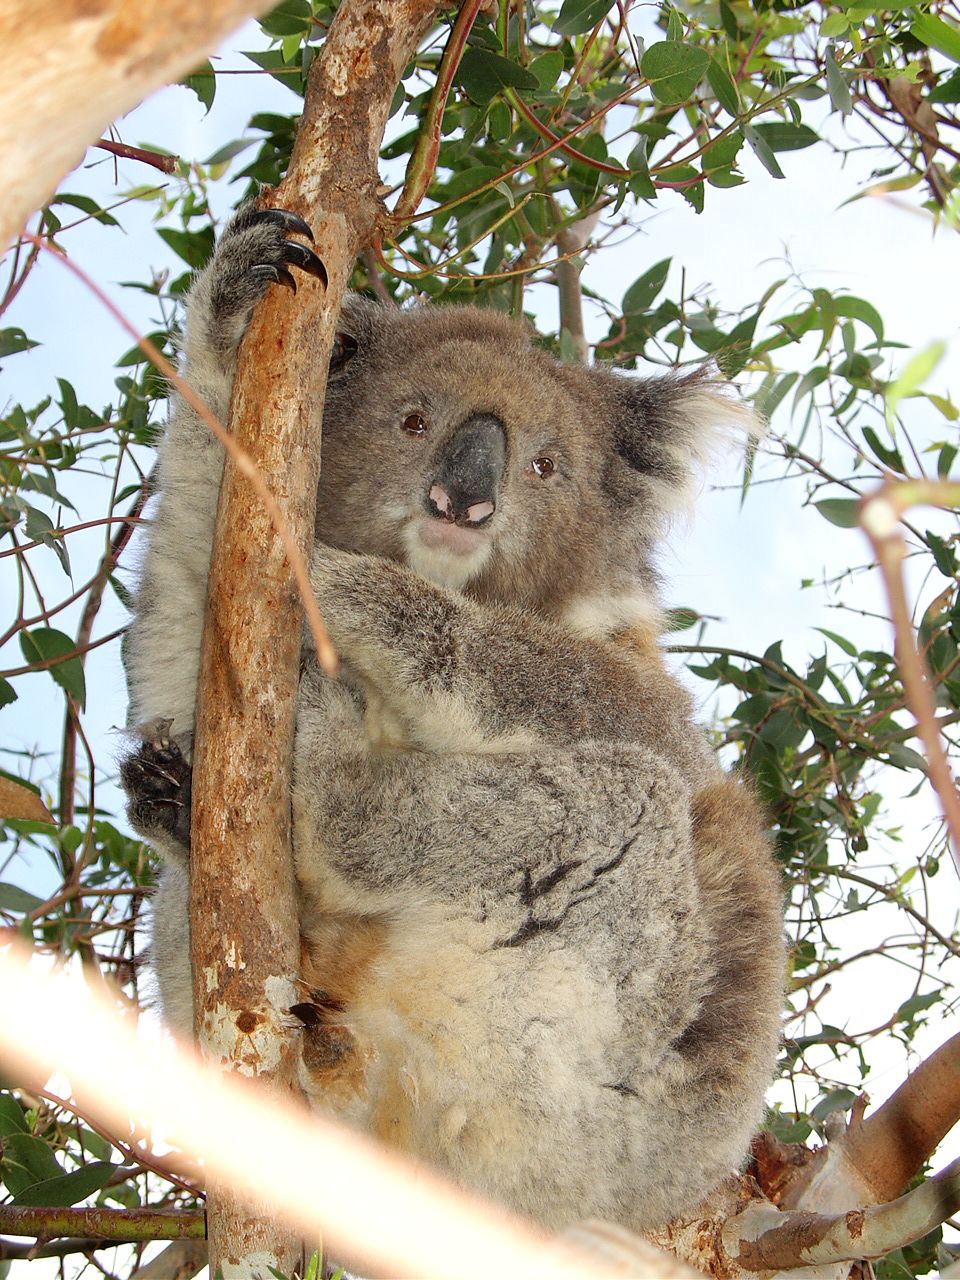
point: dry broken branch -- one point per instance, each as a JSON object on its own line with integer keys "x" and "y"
{"x": 50, "y": 55}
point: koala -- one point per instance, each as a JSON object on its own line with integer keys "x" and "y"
{"x": 541, "y": 929}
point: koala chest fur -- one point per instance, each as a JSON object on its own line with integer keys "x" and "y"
{"x": 540, "y": 930}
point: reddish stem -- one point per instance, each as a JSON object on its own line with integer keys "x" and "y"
{"x": 156, "y": 159}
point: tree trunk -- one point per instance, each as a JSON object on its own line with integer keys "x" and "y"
{"x": 243, "y": 906}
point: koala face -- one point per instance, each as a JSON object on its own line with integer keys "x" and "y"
{"x": 454, "y": 445}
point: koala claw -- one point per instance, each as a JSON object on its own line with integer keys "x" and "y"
{"x": 288, "y": 251}
{"x": 276, "y": 274}
{"x": 157, "y": 780}
{"x": 282, "y": 218}
{"x": 300, "y": 256}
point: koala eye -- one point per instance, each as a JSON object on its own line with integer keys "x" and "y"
{"x": 415, "y": 424}
{"x": 344, "y": 349}
{"x": 543, "y": 466}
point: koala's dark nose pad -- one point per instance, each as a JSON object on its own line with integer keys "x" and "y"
{"x": 444, "y": 508}
{"x": 469, "y": 470}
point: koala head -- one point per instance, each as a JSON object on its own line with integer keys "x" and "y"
{"x": 453, "y": 444}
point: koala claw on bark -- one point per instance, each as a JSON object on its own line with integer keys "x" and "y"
{"x": 254, "y": 252}
{"x": 157, "y": 779}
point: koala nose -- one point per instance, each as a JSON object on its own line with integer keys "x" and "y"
{"x": 469, "y": 470}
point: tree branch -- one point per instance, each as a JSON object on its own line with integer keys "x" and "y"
{"x": 812, "y": 1239}
{"x": 385, "y": 1214}
{"x": 884, "y": 1151}
{"x": 156, "y": 159}
{"x": 243, "y": 903}
{"x": 179, "y": 1261}
{"x": 102, "y": 1225}
{"x": 892, "y": 1144}
{"x": 880, "y": 514}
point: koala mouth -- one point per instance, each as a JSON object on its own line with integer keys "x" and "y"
{"x": 446, "y": 553}
{"x": 444, "y": 535}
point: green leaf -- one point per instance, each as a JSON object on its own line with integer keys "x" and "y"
{"x": 87, "y": 205}
{"x": 762, "y": 151}
{"x": 14, "y": 340}
{"x": 224, "y": 154}
{"x": 682, "y": 619}
{"x": 936, "y": 34}
{"x": 944, "y": 556}
{"x": 835, "y": 24}
{"x": 7, "y": 692}
{"x": 12, "y": 1119}
{"x": 547, "y": 68}
{"x": 912, "y": 377}
{"x": 859, "y": 309}
{"x": 13, "y": 898}
{"x": 26, "y": 1160}
{"x": 44, "y": 644}
{"x": 837, "y": 86}
{"x": 68, "y": 1188}
{"x": 916, "y": 1004}
{"x": 841, "y": 641}
{"x": 839, "y": 511}
{"x": 781, "y": 136}
{"x": 194, "y": 247}
{"x": 903, "y": 757}
{"x": 890, "y": 458}
{"x": 483, "y": 74}
{"x": 39, "y": 527}
{"x": 291, "y": 17}
{"x": 674, "y": 69}
{"x": 578, "y": 16}
{"x": 271, "y": 60}
{"x": 202, "y": 82}
{"x": 724, "y": 87}
{"x": 947, "y": 89}
{"x": 836, "y": 1100}
{"x": 640, "y": 295}
{"x": 722, "y": 152}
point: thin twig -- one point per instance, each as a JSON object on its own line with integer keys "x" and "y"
{"x": 326, "y": 654}
{"x": 156, "y": 159}
{"x": 880, "y": 515}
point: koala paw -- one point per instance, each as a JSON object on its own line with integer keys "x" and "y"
{"x": 252, "y": 254}
{"x": 157, "y": 778}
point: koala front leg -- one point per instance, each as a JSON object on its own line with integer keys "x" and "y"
{"x": 162, "y": 654}
{"x": 461, "y": 676}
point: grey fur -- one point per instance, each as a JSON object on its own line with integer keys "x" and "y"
{"x": 541, "y": 930}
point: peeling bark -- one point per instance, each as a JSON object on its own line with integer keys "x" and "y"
{"x": 243, "y": 906}
{"x": 68, "y": 70}
{"x": 892, "y": 1144}
{"x": 811, "y": 1239}
{"x": 104, "y": 1224}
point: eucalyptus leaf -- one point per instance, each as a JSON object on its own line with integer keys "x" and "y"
{"x": 68, "y": 1188}
{"x": 47, "y": 645}
{"x": 674, "y": 69}
{"x": 842, "y": 512}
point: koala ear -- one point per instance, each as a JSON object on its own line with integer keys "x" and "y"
{"x": 356, "y": 325}
{"x": 665, "y": 426}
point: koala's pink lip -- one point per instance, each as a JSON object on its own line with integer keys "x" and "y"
{"x": 440, "y": 535}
